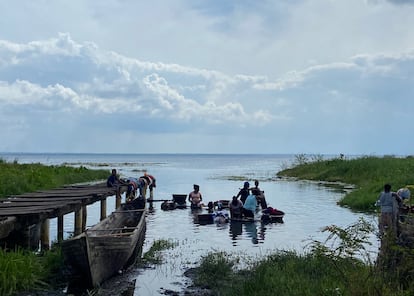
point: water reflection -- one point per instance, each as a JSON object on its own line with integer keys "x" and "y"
{"x": 251, "y": 231}
{"x": 236, "y": 229}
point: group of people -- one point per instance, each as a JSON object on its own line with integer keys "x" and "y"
{"x": 391, "y": 204}
{"x": 244, "y": 207}
{"x": 250, "y": 198}
{"x": 134, "y": 184}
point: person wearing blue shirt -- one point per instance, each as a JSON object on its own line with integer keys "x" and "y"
{"x": 249, "y": 206}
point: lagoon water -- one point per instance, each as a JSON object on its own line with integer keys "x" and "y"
{"x": 308, "y": 207}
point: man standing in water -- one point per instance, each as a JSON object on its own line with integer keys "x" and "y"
{"x": 195, "y": 197}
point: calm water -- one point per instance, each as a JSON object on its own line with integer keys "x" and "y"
{"x": 308, "y": 207}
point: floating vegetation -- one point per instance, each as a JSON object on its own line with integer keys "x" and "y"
{"x": 154, "y": 256}
{"x": 245, "y": 178}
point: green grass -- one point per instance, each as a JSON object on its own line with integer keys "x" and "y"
{"x": 153, "y": 255}
{"x": 320, "y": 270}
{"x": 21, "y": 178}
{"x": 215, "y": 269}
{"x": 22, "y": 270}
{"x": 368, "y": 174}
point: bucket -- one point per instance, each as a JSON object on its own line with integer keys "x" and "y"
{"x": 179, "y": 198}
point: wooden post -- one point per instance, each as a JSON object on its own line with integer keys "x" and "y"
{"x": 118, "y": 198}
{"x": 103, "y": 209}
{"x": 84, "y": 214}
{"x": 60, "y": 228}
{"x": 44, "y": 235}
{"x": 78, "y": 222}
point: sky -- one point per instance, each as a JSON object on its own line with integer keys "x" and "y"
{"x": 194, "y": 76}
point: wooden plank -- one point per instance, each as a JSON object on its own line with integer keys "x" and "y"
{"x": 65, "y": 194}
{"x": 29, "y": 203}
{"x": 42, "y": 199}
{"x": 58, "y": 200}
{"x": 111, "y": 229}
{"x": 26, "y": 211}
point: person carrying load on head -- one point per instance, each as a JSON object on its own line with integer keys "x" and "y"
{"x": 195, "y": 198}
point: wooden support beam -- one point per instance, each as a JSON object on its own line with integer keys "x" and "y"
{"x": 84, "y": 215}
{"x": 103, "y": 209}
{"x": 60, "y": 228}
{"x": 78, "y": 222}
{"x": 118, "y": 198}
{"x": 44, "y": 235}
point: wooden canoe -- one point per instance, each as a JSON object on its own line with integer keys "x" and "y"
{"x": 106, "y": 248}
{"x": 273, "y": 215}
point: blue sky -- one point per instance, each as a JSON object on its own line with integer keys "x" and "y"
{"x": 192, "y": 76}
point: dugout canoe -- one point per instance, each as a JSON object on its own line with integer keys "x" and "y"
{"x": 106, "y": 248}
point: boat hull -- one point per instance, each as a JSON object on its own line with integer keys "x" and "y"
{"x": 106, "y": 248}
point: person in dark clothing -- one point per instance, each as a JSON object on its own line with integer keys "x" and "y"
{"x": 244, "y": 192}
{"x": 113, "y": 180}
{"x": 261, "y": 200}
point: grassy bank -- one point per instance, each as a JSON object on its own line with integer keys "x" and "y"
{"x": 368, "y": 174}
{"x": 21, "y": 270}
{"x": 21, "y": 178}
{"x": 288, "y": 273}
{"x": 341, "y": 265}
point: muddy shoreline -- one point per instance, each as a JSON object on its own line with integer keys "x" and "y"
{"x": 124, "y": 283}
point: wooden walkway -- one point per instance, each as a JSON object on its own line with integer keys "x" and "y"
{"x": 22, "y": 211}
{"x": 55, "y": 202}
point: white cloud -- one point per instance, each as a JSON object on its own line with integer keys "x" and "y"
{"x": 282, "y": 75}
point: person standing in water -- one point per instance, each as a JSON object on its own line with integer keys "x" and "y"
{"x": 195, "y": 198}
{"x": 244, "y": 192}
{"x": 236, "y": 208}
{"x": 261, "y": 200}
